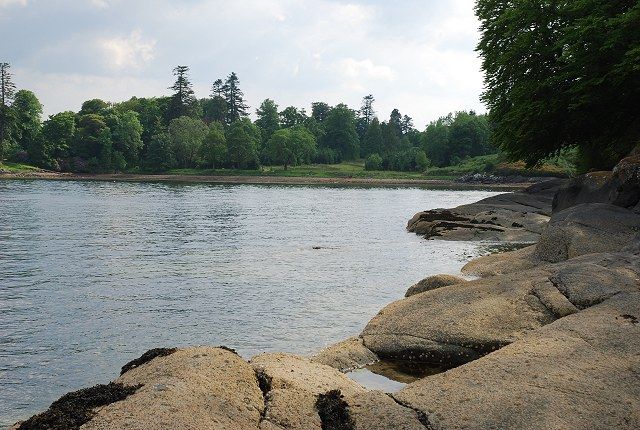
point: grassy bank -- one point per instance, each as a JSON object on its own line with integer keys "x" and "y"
{"x": 489, "y": 164}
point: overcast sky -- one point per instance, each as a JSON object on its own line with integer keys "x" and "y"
{"x": 416, "y": 55}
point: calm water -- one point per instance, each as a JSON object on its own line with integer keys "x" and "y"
{"x": 94, "y": 274}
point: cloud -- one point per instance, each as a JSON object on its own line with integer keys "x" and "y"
{"x": 128, "y": 52}
{"x": 414, "y": 55}
{"x": 6, "y": 3}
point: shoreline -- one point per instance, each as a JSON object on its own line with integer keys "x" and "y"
{"x": 261, "y": 180}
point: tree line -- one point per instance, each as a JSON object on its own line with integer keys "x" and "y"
{"x": 181, "y": 131}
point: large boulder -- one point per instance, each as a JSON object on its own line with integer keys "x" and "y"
{"x": 588, "y": 228}
{"x": 432, "y": 283}
{"x": 514, "y": 217}
{"x": 194, "y": 388}
{"x": 579, "y": 372}
{"x": 460, "y": 323}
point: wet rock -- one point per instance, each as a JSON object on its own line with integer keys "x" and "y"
{"x": 346, "y": 355}
{"x": 433, "y": 282}
{"x": 588, "y": 228}
{"x": 579, "y": 372}
{"x": 204, "y": 388}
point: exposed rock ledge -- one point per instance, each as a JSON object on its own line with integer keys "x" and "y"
{"x": 547, "y": 338}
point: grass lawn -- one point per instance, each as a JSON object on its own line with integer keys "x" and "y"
{"x": 353, "y": 169}
{"x": 17, "y": 167}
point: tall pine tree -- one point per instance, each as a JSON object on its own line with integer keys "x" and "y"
{"x": 7, "y": 91}
{"x": 236, "y": 107}
{"x": 183, "y": 99}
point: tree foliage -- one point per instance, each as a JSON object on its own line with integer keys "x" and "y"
{"x": 562, "y": 74}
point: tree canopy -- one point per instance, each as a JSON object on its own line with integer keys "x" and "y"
{"x": 562, "y": 74}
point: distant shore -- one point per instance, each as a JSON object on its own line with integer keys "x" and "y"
{"x": 259, "y": 180}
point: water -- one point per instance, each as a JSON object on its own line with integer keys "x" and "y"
{"x": 93, "y": 274}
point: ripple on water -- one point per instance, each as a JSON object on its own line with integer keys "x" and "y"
{"x": 94, "y": 274}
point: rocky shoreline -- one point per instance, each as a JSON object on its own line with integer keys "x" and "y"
{"x": 547, "y": 337}
{"x": 506, "y": 185}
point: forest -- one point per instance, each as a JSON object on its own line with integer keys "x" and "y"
{"x": 182, "y": 131}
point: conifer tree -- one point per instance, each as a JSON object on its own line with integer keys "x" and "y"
{"x": 7, "y": 91}
{"x": 183, "y": 99}
{"x": 233, "y": 95}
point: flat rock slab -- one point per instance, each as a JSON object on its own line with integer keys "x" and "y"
{"x": 582, "y": 371}
{"x": 514, "y": 217}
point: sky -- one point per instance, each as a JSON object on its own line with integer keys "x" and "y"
{"x": 414, "y": 55}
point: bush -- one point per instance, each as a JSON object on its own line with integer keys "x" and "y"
{"x": 327, "y": 156}
{"x": 373, "y": 162}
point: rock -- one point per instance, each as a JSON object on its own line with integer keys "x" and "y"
{"x": 346, "y": 355}
{"x": 204, "y": 388}
{"x": 294, "y": 383}
{"x": 588, "y": 228}
{"x": 459, "y": 323}
{"x": 593, "y": 187}
{"x": 375, "y": 410}
{"x": 585, "y": 282}
{"x": 621, "y": 187}
{"x": 502, "y": 263}
{"x": 433, "y": 282}
{"x": 515, "y": 217}
{"x": 579, "y": 372}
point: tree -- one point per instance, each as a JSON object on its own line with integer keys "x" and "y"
{"x": 373, "y": 142}
{"x": 341, "y": 135}
{"x": 436, "y": 141}
{"x": 28, "y": 112}
{"x": 292, "y": 116}
{"x": 406, "y": 125}
{"x": 58, "y": 133}
{"x": 93, "y": 142}
{"x": 390, "y": 139}
{"x": 290, "y": 146}
{"x": 365, "y": 116}
{"x": 126, "y": 136}
{"x": 366, "y": 111}
{"x": 96, "y": 106}
{"x": 373, "y": 162}
{"x": 7, "y": 117}
{"x": 159, "y": 156}
{"x": 320, "y": 111}
{"x": 214, "y": 148}
{"x": 187, "y": 135}
{"x": 395, "y": 122}
{"x": 236, "y": 107}
{"x": 562, "y": 74}
{"x": 268, "y": 119}
{"x": 183, "y": 99}
{"x": 243, "y": 138}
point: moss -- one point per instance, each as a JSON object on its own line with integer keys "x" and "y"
{"x": 334, "y": 411}
{"x": 147, "y": 357}
{"x": 74, "y": 409}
